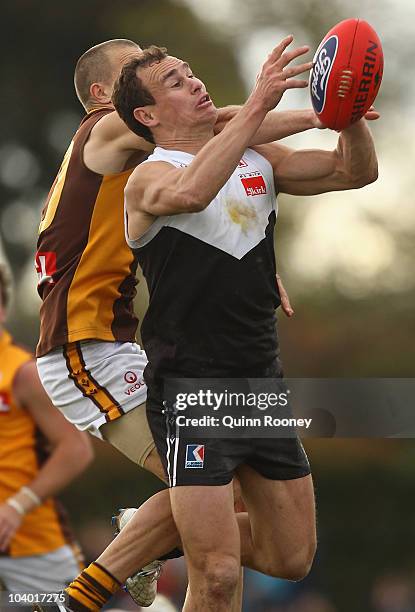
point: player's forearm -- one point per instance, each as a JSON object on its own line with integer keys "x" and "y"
{"x": 216, "y": 161}
{"x": 281, "y": 124}
{"x": 276, "y": 125}
{"x": 357, "y": 151}
{"x": 67, "y": 461}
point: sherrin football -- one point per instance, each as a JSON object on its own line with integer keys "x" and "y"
{"x": 347, "y": 72}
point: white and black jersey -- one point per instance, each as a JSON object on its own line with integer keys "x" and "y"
{"x": 211, "y": 278}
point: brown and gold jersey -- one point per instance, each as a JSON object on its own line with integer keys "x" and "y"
{"x": 22, "y": 450}
{"x": 86, "y": 270}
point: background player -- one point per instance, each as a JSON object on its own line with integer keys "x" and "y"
{"x": 40, "y": 454}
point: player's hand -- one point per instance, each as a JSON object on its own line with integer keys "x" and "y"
{"x": 10, "y": 521}
{"x": 285, "y": 300}
{"x": 317, "y": 123}
{"x": 277, "y": 75}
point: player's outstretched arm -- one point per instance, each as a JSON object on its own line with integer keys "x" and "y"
{"x": 157, "y": 191}
{"x": 353, "y": 164}
{"x": 71, "y": 453}
{"x": 276, "y": 125}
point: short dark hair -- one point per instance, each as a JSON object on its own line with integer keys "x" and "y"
{"x": 95, "y": 65}
{"x": 130, "y": 93}
{"x": 5, "y": 285}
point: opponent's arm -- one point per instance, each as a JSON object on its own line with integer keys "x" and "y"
{"x": 111, "y": 144}
{"x": 71, "y": 452}
{"x": 276, "y": 125}
{"x": 158, "y": 190}
{"x": 353, "y": 164}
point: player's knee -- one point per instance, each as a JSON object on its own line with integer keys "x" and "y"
{"x": 221, "y": 575}
{"x": 297, "y": 566}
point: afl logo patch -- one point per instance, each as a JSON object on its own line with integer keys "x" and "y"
{"x": 195, "y": 456}
{"x": 322, "y": 64}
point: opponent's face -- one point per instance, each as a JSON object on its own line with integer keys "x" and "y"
{"x": 181, "y": 98}
{"x": 101, "y": 91}
{"x": 119, "y": 58}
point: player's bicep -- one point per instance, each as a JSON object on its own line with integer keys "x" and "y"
{"x": 305, "y": 172}
{"x": 157, "y": 189}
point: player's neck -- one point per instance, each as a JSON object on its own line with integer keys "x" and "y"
{"x": 188, "y": 143}
{"x": 97, "y": 106}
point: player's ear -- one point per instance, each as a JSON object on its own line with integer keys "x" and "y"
{"x": 99, "y": 92}
{"x": 145, "y": 115}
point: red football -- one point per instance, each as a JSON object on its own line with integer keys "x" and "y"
{"x": 347, "y": 72}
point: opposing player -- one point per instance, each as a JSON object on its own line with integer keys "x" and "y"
{"x": 88, "y": 360}
{"x": 191, "y": 243}
{"x": 40, "y": 453}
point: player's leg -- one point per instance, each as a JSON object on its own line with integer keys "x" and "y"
{"x": 279, "y": 537}
{"x": 131, "y": 435}
{"x": 206, "y": 521}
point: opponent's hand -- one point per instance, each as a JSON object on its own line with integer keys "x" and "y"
{"x": 285, "y": 300}
{"x": 10, "y": 521}
{"x": 277, "y": 75}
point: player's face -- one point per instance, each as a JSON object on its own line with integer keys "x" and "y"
{"x": 181, "y": 98}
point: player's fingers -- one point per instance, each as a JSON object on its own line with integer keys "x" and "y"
{"x": 4, "y": 538}
{"x": 295, "y": 84}
{"x": 289, "y": 56}
{"x": 372, "y": 115}
{"x": 285, "y": 300}
{"x": 280, "y": 48}
{"x": 295, "y": 70}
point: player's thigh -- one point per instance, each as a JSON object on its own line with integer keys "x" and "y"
{"x": 131, "y": 435}
{"x": 205, "y": 519}
{"x": 282, "y": 512}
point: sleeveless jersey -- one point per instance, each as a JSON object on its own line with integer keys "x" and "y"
{"x": 21, "y": 453}
{"x": 211, "y": 279}
{"x": 85, "y": 269}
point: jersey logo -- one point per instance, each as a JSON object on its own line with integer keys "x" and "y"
{"x": 45, "y": 263}
{"x": 4, "y": 403}
{"x": 253, "y": 183}
{"x": 242, "y": 164}
{"x": 195, "y": 455}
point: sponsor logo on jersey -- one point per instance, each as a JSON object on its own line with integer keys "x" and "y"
{"x": 322, "y": 64}
{"x": 134, "y": 383}
{"x": 45, "y": 263}
{"x": 4, "y": 403}
{"x": 130, "y": 377}
{"x": 242, "y": 164}
{"x": 253, "y": 183}
{"x": 195, "y": 456}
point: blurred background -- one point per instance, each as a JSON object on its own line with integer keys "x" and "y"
{"x": 347, "y": 260}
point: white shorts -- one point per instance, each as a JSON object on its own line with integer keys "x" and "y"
{"x": 94, "y": 382}
{"x": 50, "y": 572}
